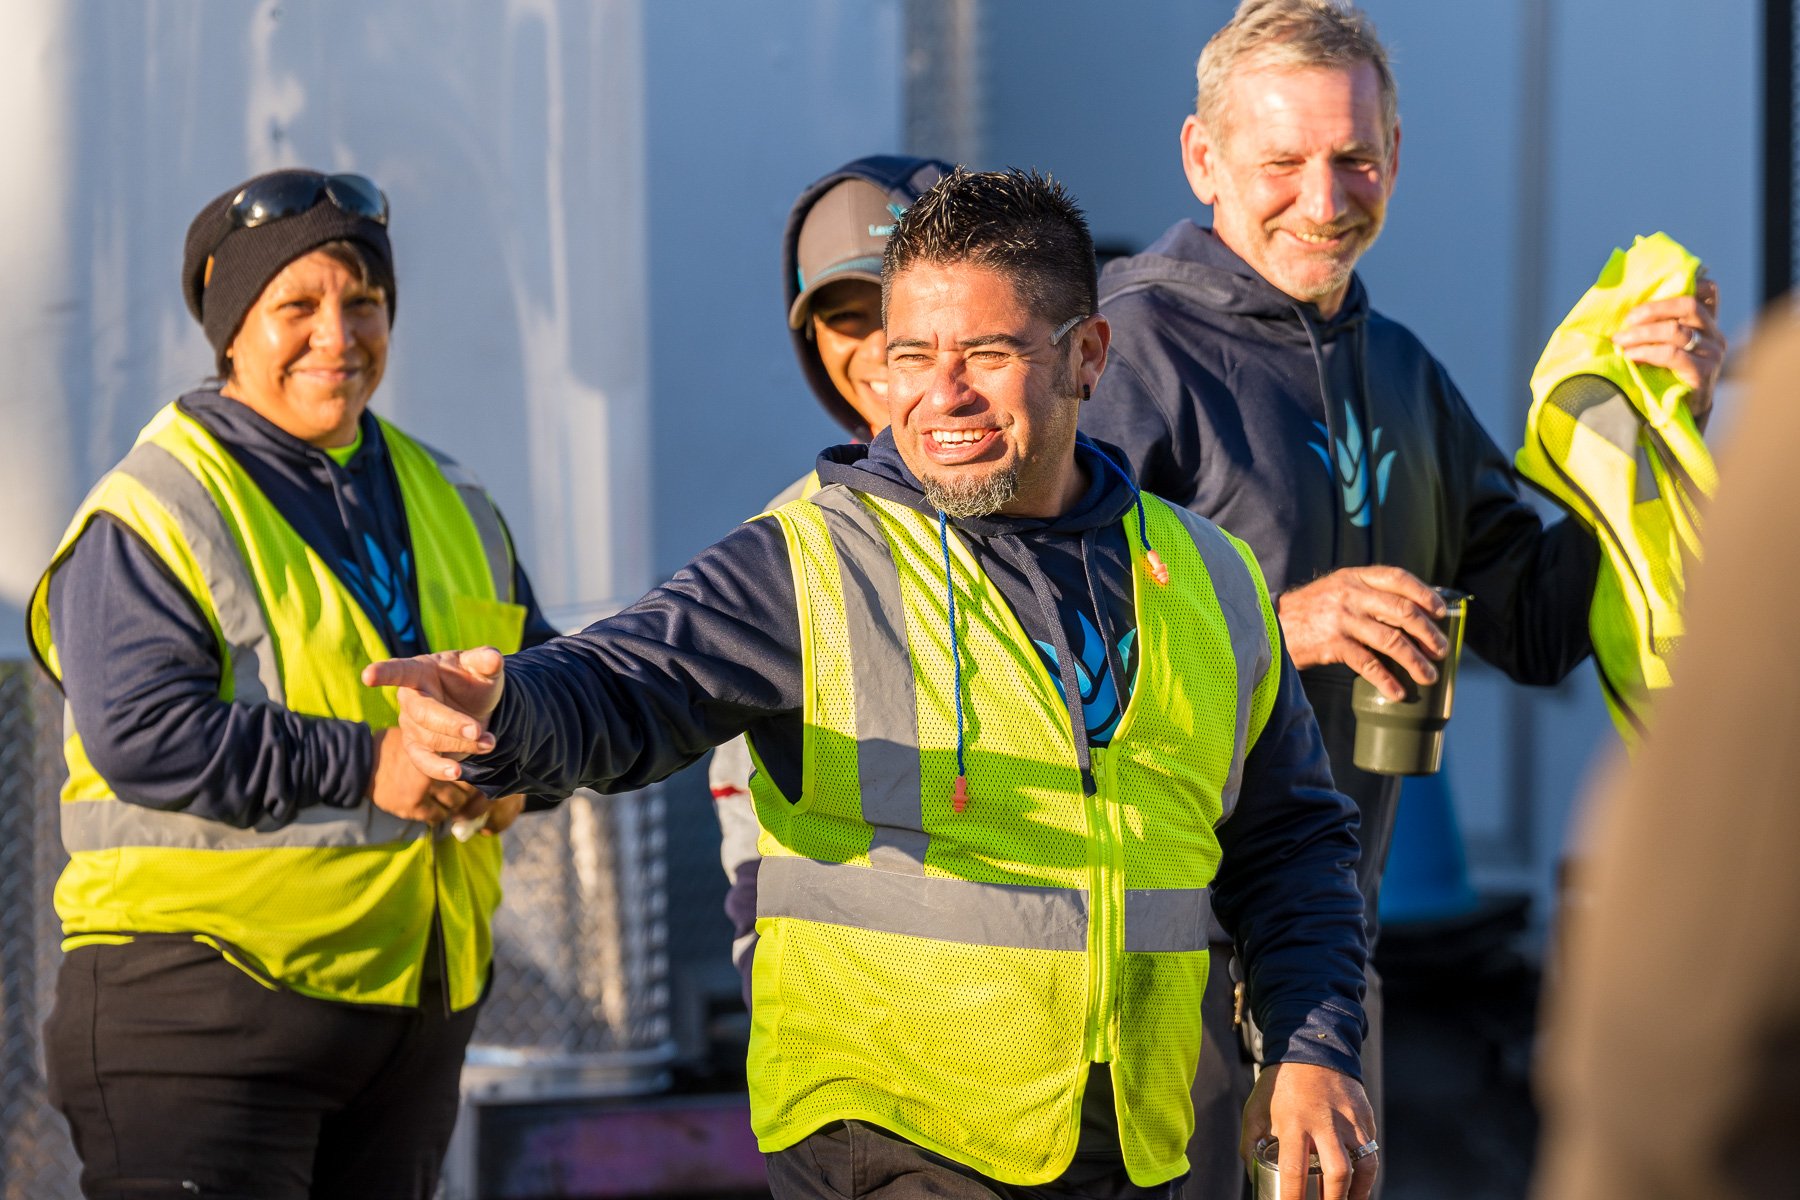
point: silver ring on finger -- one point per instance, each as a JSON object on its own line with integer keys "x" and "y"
{"x": 1693, "y": 342}
{"x": 1363, "y": 1151}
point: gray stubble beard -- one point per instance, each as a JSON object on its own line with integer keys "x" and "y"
{"x": 966, "y": 498}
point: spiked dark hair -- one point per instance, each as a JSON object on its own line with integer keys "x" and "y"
{"x": 1020, "y": 224}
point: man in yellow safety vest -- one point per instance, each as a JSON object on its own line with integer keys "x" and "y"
{"x": 1018, "y": 731}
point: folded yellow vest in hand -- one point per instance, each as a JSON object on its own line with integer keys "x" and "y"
{"x": 1613, "y": 442}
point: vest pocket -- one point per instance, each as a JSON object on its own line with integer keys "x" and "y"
{"x": 480, "y": 622}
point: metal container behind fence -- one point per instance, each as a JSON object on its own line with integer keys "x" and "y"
{"x": 580, "y": 1000}
{"x": 1265, "y": 1176}
{"x": 579, "y": 1007}
{"x": 36, "y": 1159}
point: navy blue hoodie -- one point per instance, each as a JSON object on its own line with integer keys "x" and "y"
{"x": 716, "y": 652}
{"x": 1328, "y": 443}
{"x": 141, "y": 664}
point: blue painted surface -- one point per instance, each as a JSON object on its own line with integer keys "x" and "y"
{"x": 1427, "y": 877}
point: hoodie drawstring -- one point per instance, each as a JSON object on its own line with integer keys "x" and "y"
{"x": 1158, "y": 571}
{"x": 1331, "y": 436}
{"x": 959, "y": 798}
{"x": 1369, "y": 431}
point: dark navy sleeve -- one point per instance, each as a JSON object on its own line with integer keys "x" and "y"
{"x": 141, "y": 671}
{"x": 1530, "y": 587}
{"x": 712, "y": 653}
{"x": 1286, "y": 890}
{"x": 1141, "y": 406}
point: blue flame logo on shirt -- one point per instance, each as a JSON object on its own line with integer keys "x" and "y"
{"x": 384, "y": 591}
{"x": 1100, "y": 707}
{"x": 1351, "y": 470}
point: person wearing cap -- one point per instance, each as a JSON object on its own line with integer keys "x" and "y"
{"x": 1254, "y": 383}
{"x": 831, "y": 269}
{"x": 275, "y": 951}
{"x": 1018, "y": 729}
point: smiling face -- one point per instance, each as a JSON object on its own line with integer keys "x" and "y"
{"x": 846, "y": 322}
{"x": 311, "y": 350}
{"x": 984, "y": 407}
{"x": 1300, "y": 176}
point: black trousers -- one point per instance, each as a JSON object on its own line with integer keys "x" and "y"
{"x": 851, "y": 1160}
{"x": 182, "y": 1076}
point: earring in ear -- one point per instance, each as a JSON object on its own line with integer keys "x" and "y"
{"x": 1087, "y": 391}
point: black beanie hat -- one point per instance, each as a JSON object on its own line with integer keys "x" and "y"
{"x": 243, "y": 261}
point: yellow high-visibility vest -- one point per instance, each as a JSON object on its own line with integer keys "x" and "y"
{"x": 338, "y": 903}
{"x": 1614, "y": 443}
{"x": 949, "y": 975}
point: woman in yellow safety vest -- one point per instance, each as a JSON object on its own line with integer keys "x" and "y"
{"x": 275, "y": 951}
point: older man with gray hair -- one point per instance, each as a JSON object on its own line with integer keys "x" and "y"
{"x": 1252, "y": 382}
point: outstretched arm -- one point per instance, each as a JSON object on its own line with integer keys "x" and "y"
{"x": 627, "y": 701}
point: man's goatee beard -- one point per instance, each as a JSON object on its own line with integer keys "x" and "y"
{"x": 965, "y": 497}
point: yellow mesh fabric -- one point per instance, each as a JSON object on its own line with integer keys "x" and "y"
{"x": 341, "y": 923}
{"x": 966, "y": 1050}
{"x": 1262, "y": 698}
{"x": 1172, "y": 751}
{"x": 1165, "y": 769}
{"x": 132, "y": 503}
{"x": 344, "y": 923}
{"x": 1159, "y": 1050}
{"x": 1642, "y": 499}
{"x": 457, "y": 604}
{"x": 1025, "y": 821}
{"x": 825, "y": 820}
{"x": 979, "y": 1052}
{"x": 129, "y": 500}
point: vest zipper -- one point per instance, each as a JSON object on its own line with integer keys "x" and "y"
{"x": 1106, "y": 916}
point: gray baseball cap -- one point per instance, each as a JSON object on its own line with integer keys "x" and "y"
{"x": 844, "y": 234}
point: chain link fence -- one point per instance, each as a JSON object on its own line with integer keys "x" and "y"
{"x": 36, "y": 1160}
{"x": 580, "y": 1000}
{"x": 579, "y": 1003}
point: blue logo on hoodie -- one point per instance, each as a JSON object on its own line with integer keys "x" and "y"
{"x": 1100, "y": 707}
{"x": 1351, "y": 468}
{"x": 384, "y": 591}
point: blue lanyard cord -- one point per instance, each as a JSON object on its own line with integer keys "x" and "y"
{"x": 1158, "y": 571}
{"x": 961, "y": 795}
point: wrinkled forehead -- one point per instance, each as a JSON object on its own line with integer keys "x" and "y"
{"x": 1277, "y": 106}
{"x": 931, "y": 300}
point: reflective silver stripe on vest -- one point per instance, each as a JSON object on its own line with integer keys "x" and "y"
{"x": 111, "y": 824}
{"x": 1165, "y": 920}
{"x": 488, "y": 528}
{"x": 1241, "y": 603}
{"x": 255, "y": 673}
{"x": 946, "y": 910}
{"x": 887, "y": 718}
